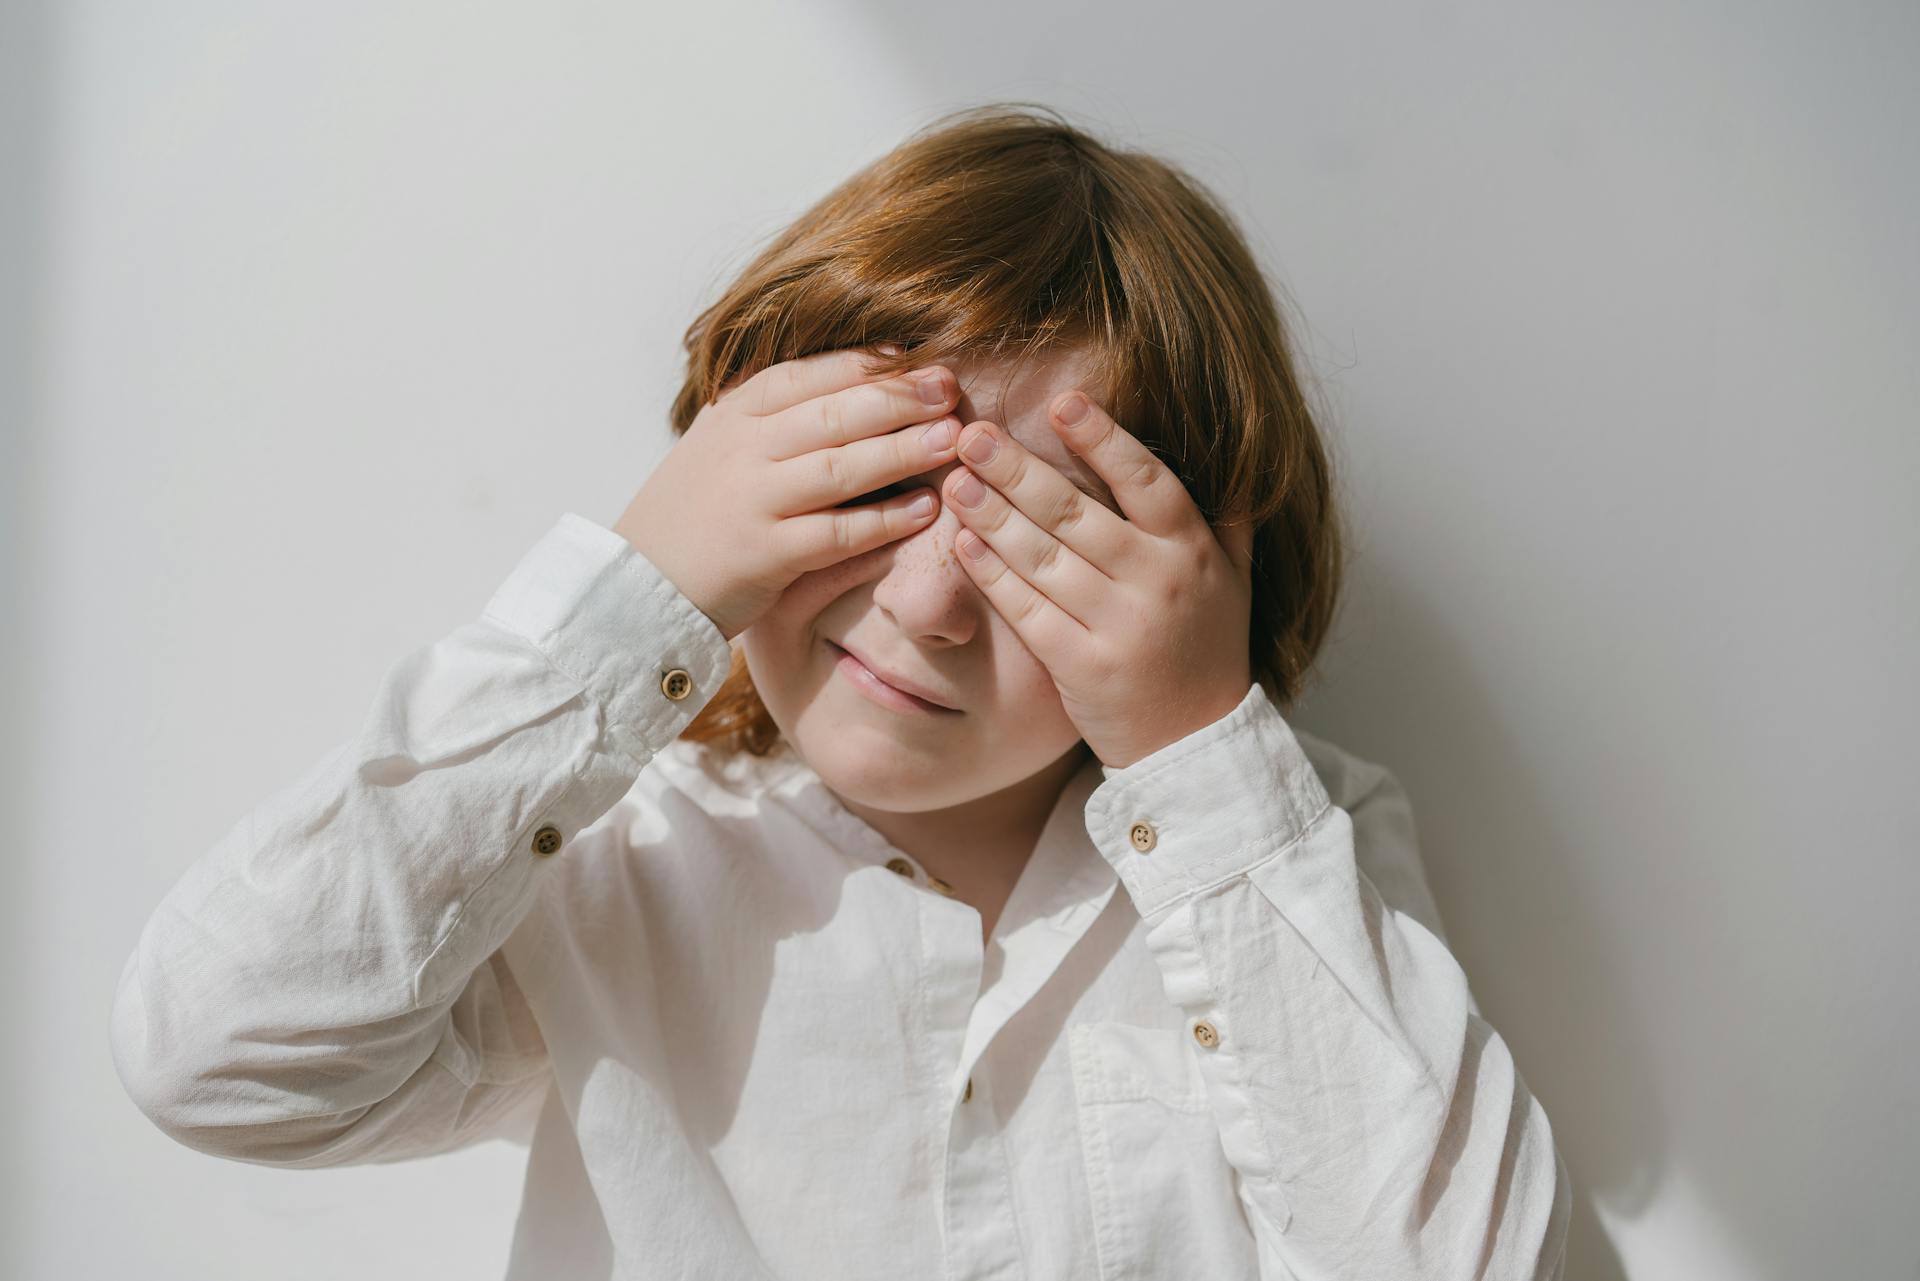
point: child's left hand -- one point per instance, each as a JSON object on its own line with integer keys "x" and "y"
{"x": 1142, "y": 621}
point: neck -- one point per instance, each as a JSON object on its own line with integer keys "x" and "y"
{"x": 980, "y": 847}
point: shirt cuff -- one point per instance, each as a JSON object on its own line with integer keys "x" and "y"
{"x": 1207, "y": 807}
{"x": 606, "y": 616}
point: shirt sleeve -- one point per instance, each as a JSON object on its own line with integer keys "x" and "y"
{"x": 326, "y": 985}
{"x": 1378, "y": 1125}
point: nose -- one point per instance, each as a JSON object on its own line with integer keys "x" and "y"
{"x": 925, "y": 588}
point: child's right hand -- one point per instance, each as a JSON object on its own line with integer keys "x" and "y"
{"x": 747, "y": 500}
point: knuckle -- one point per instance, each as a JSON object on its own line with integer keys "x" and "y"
{"x": 787, "y": 547}
{"x": 901, "y": 400}
{"x": 832, "y": 470}
{"x": 1145, "y": 473}
{"x": 844, "y": 534}
{"x": 833, "y": 416}
{"x": 907, "y": 453}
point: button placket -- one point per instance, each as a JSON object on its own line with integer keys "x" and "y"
{"x": 902, "y": 867}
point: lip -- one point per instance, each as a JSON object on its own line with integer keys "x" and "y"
{"x": 887, "y": 690}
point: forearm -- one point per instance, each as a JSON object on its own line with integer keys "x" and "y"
{"x": 308, "y": 966}
{"x": 1378, "y": 1123}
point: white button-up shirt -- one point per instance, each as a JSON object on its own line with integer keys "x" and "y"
{"x": 1215, "y": 1032}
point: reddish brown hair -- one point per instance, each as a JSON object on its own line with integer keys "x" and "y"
{"x": 1005, "y": 232}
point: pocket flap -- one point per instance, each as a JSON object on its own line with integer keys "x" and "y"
{"x": 1120, "y": 1062}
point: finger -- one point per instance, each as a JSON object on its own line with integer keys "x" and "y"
{"x": 1043, "y": 561}
{"x": 1043, "y": 627}
{"x": 830, "y": 477}
{"x": 819, "y": 539}
{"x": 1148, "y": 492}
{"x": 1042, "y": 493}
{"x": 856, "y": 412}
{"x": 793, "y": 382}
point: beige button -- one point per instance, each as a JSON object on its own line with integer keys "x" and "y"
{"x": 940, "y": 885}
{"x": 546, "y": 840}
{"x": 676, "y": 684}
{"x": 1142, "y": 835}
{"x": 1204, "y": 1033}
{"x": 969, "y": 1094}
{"x": 901, "y": 866}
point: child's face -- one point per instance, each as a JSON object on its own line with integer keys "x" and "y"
{"x": 909, "y": 607}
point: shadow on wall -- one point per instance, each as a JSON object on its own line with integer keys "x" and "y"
{"x": 1510, "y": 900}
{"x": 26, "y": 96}
{"x": 1539, "y": 968}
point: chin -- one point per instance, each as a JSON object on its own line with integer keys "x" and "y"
{"x": 867, "y": 765}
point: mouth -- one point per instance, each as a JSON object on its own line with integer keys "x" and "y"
{"x": 880, "y": 690}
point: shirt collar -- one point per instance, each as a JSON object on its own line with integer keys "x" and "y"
{"x": 1064, "y": 884}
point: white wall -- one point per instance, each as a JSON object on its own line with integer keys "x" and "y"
{"x": 322, "y": 316}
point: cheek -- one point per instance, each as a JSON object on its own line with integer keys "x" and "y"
{"x": 797, "y": 608}
{"x": 783, "y": 646}
{"x": 1023, "y": 679}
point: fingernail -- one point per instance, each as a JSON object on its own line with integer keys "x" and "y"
{"x": 939, "y": 437}
{"x": 981, "y": 447}
{"x": 887, "y": 348}
{"x": 933, "y": 386}
{"x": 921, "y": 507}
{"x": 972, "y": 544}
{"x": 968, "y": 491}
{"x": 1072, "y": 409}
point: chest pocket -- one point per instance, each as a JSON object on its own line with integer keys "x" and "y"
{"x": 1164, "y": 1196}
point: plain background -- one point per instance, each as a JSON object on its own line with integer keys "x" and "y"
{"x": 318, "y": 316}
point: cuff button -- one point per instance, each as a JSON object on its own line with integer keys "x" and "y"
{"x": 1143, "y": 836}
{"x": 676, "y": 684}
{"x": 547, "y": 840}
{"x": 1205, "y": 1033}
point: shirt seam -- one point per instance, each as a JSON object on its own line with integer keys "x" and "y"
{"x": 1412, "y": 1060}
{"x": 1205, "y": 868}
{"x": 1215, "y": 995}
{"x": 538, "y": 813}
{"x": 539, "y": 1064}
{"x": 580, "y": 686}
